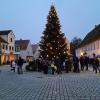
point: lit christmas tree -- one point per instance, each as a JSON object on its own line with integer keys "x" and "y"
{"x": 53, "y": 42}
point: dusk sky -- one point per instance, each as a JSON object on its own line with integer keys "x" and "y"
{"x": 27, "y": 18}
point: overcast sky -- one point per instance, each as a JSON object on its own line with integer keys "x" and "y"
{"x": 27, "y": 18}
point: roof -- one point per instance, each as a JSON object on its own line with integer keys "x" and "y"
{"x": 34, "y": 47}
{"x": 91, "y": 36}
{"x": 5, "y": 32}
{"x": 2, "y": 40}
{"x": 22, "y": 44}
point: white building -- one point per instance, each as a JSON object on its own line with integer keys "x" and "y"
{"x": 36, "y": 53}
{"x": 68, "y": 45}
{"x": 25, "y": 49}
{"x": 7, "y": 48}
{"x": 91, "y": 43}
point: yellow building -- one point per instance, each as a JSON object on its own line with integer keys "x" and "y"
{"x": 7, "y": 46}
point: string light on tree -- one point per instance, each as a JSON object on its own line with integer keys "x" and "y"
{"x": 47, "y": 55}
{"x": 53, "y": 39}
{"x": 64, "y": 52}
{"x": 51, "y": 48}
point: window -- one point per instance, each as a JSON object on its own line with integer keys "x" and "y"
{"x": 6, "y": 47}
{"x": 12, "y": 48}
{"x": 97, "y": 44}
{"x": 91, "y": 46}
{"x": 9, "y": 47}
{"x": 10, "y": 39}
{"x": 3, "y": 46}
{"x": 94, "y": 46}
{"x": 17, "y": 48}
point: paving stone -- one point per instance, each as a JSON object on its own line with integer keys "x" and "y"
{"x": 37, "y": 86}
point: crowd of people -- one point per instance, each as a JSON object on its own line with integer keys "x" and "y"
{"x": 56, "y": 66}
{"x": 18, "y": 63}
{"x": 74, "y": 64}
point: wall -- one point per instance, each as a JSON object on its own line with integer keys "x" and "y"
{"x": 27, "y": 52}
{"x": 93, "y": 47}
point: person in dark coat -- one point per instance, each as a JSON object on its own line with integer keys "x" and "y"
{"x": 76, "y": 64}
{"x": 86, "y": 62}
{"x": 39, "y": 64}
{"x": 45, "y": 66}
{"x": 82, "y": 62}
{"x": 67, "y": 65}
{"x": 58, "y": 64}
{"x": 20, "y": 64}
{"x": 95, "y": 64}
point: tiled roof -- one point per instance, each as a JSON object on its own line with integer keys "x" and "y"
{"x": 91, "y": 36}
{"x": 22, "y": 44}
{"x": 34, "y": 47}
{"x": 2, "y": 40}
{"x": 5, "y": 32}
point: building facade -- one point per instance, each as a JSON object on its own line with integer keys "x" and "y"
{"x": 8, "y": 48}
{"x": 25, "y": 49}
{"x": 90, "y": 44}
{"x": 68, "y": 46}
{"x": 36, "y": 53}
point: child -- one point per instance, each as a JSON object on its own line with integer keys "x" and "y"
{"x": 13, "y": 65}
{"x": 49, "y": 70}
{"x": 53, "y": 68}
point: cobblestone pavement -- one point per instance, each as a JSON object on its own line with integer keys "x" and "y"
{"x": 36, "y": 86}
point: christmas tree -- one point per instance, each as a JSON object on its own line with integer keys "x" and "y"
{"x": 53, "y": 42}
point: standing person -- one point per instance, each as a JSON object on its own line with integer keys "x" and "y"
{"x": 20, "y": 64}
{"x": 13, "y": 65}
{"x": 95, "y": 64}
{"x": 45, "y": 66}
{"x": 39, "y": 64}
{"x": 54, "y": 68}
{"x": 86, "y": 60}
{"x": 82, "y": 62}
{"x": 76, "y": 64}
{"x": 67, "y": 65}
{"x": 58, "y": 64}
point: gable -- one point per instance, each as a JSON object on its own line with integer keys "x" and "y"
{"x": 23, "y": 44}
